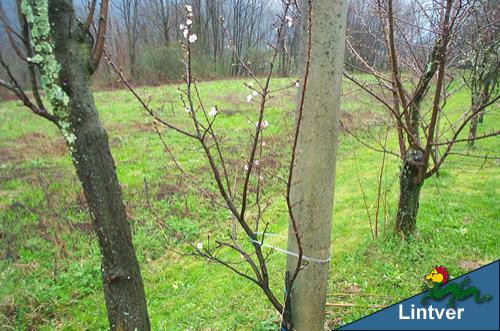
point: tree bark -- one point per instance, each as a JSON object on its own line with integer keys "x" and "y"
{"x": 481, "y": 116}
{"x": 314, "y": 171}
{"x": 480, "y": 96}
{"x": 122, "y": 282}
{"x": 473, "y": 130}
{"x": 410, "y": 183}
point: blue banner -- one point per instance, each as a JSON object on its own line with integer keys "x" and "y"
{"x": 468, "y": 302}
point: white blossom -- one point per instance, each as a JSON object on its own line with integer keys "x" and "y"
{"x": 182, "y": 26}
{"x": 297, "y": 84}
{"x": 246, "y": 167}
{"x": 189, "y": 8}
{"x": 187, "y": 110}
{"x": 185, "y": 33}
{"x": 213, "y": 112}
{"x": 249, "y": 98}
{"x": 199, "y": 246}
{"x": 254, "y": 93}
{"x": 192, "y": 38}
{"x": 189, "y": 21}
{"x": 289, "y": 21}
{"x": 263, "y": 125}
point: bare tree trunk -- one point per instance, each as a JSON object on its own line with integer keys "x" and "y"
{"x": 122, "y": 282}
{"x": 409, "y": 192}
{"x": 475, "y": 103}
{"x": 479, "y": 98}
{"x": 314, "y": 172}
{"x": 473, "y": 126}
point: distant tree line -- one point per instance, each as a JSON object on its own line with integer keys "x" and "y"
{"x": 143, "y": 37}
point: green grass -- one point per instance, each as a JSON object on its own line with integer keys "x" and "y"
{"x": 53, "y": 281}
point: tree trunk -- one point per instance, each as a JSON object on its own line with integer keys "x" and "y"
{"x": 481, "y": 116}
{"x": 475, "y": 103}
{"x": 314, "y": 171}
{"x": 410, "y": 183}
{"x": 122, "y": 282}
{"x": 480, "y": 96}
{"x": 473, "y": 130}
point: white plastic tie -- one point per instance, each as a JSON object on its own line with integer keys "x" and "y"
{"x": 284, "y": 251}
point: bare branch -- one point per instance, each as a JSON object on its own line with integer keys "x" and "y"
{"x": 90, "y": 16}
{"x": 101, "y": 35}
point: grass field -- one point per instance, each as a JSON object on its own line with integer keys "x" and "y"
{"x": 49, "y": 259}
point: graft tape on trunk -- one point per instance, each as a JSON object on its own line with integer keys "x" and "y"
{"x": 284, "y": 251}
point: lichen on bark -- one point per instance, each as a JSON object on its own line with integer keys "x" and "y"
{"x": 37, "y": 16}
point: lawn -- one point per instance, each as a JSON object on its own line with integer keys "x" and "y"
{"x": 49, "y": 259}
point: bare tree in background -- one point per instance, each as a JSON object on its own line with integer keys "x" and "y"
{"x": 482, "y": 59}
{"x": 214, "y": 10}
{"x": 161, "y": 14}
{"x": 415, "y": 92}
{"x": 143, "y": 37}
{"x": 129, "y": 15}
{"x": 61, "y": 56}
